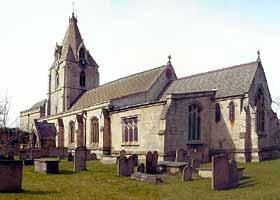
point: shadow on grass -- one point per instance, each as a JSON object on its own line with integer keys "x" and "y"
{"x": 66, "y": 172}
{"x": 247, "y": 181}
{"x": 30, "y": 192}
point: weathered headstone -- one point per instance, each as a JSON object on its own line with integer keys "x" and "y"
{"x": 93, "y": 156}
{"x": 146, "y": 177}
{"x": 134, "y": 157}
{"x": 155, "y": 163}
{"x": 125, "y": 166}
{"x": 181, "y": 155}
{"x": 10, "y": 176}
{"x": 149, "y": 163}
{"x": 122, "y": 153}
{"x": 220, "y": 170}
{"x": 141, "y": 168}
{"x": 80, "y": 159}
{"x": 70, "y": 157}
{"x": 187, "y": 173}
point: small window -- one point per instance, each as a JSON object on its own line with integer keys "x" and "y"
{"x": 130, "y": 129}
{"x": 82, "y": 79}
{"x": 194, "y": 122}
{"x": 217, "y": 112}
{"x": 72, "y": 132}
{"x": 94, "y": 131}
{"x": 260, "y": 111}
{"x": 56, "y": 80}
{"x": 82, "y": 59}
{"x": 231, "y": 111}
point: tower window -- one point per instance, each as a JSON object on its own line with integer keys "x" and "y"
{"x": 231, "y": 111}
{"x": 82, "y": 79}
{"x": 82, "y": 59}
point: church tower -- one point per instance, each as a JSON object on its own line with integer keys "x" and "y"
{"x": 73, "y": 71}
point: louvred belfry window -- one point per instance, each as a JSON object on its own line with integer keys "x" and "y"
{"x": 260, "y": 119}
{"x": 130, "y": 129}
{"x": 217, "y": 112}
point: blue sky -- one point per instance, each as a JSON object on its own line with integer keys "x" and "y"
{"x": 127, "y": 37}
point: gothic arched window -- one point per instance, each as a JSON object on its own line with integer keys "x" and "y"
{"x": 82, "y": 79}
{"x": 72, "y": 132}
{"x": 217, "y": 112}
{"x": 56, "y": 80}
{"x": 82, "y": 59}
{"x": 130, "y": 129}
{"x": 95, "y": 131}
{"x": 260, "y": 110}
{"x": 194, "y": 122}
{"x": 231, "y": 111}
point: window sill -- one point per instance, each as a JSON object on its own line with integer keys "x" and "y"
{"x": 130, "y": 144}
{"x": 195, "y": 142}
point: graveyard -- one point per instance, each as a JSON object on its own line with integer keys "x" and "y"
{"x": 100, "y": 181}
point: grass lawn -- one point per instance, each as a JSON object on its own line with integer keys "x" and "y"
{"x": 101, "y": 182}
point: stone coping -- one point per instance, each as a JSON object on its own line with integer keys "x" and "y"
{"x": 11, "y": 162}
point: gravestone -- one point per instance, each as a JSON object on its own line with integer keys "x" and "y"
{"x": 146, "y": 177}
{"x": 234, "y": 176}
{"x": 220, "y": 172}
{"x": 70, "y": 157}
{"x": 80, "y": 159}
{"x": 11, "y": 155}
{"x": 46, "y": 165}
{"x": 141, "y": 168}
{"x": 155, "y": 163}
{"x": 122, "y": 153}
{"x": 195, "y": 155}
{"x": 149, "y": 163}
{"x": 23, "y": 154}
{"x": 181, "y": 155}
{"x": 35, "y": 154}
{"x": 125, "y": 166}
{"x": 196, "y": 164}
{"x": 187, "y": 173}
{"x": 134, "y": 157}
{"x": 93, "y": 156}
{"x": 10, "y": 176}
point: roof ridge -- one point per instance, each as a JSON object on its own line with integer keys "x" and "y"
{"x": 217, "y": 70}
{"x": 127, "y": 77}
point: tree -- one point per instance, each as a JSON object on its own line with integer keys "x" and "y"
{"x": 4, "y": 111}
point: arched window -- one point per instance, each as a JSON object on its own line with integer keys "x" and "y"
{"x": 130, "y": 129}
{"x": 95, "y": 131}
{"x": 231, "y": 111}
{"x": 82, "y": 79}
{"x": 56, "y": 80}
{"x": 217, "y": 112}
{"x": 82, "y": 59}
{"x": 260, "y": 110}
{"x": 194, "y": 122}
{"x": 72, "y": 132}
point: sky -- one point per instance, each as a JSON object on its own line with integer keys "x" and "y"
{"x": 126, "y": 37}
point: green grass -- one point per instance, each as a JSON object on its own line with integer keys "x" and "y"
{"x": 101, "y": 182}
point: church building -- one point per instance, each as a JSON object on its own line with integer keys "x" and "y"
{"x": 227, "y": 110}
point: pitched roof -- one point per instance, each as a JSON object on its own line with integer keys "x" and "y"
{"x": 230, "y": 81}
{"x": 45, "y": 130}
{"x": 39, "y": 104}
{"x": 137, "y": 83}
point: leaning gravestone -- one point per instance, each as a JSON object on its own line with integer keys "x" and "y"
{"x": 10, "y": 176}
{"x": 220, "y": 172}
{"x": 80, "y": 159}
{"x": 149, "y": 163}
{"x": 187, "y": 173}
{"x": 181, "y": 155}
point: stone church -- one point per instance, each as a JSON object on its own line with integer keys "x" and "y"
{"x": 222, "y": 111}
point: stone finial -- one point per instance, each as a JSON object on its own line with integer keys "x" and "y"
{"x": 169, "y": 59}
{"x": 259, "y": 57}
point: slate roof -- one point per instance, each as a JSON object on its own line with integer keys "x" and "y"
{"x": 137, "y": 83}
{"x": 46, "y": 130}
{"x": 230, "y": 81}
{"x": 39, "y": 104}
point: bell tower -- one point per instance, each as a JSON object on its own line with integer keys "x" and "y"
{"x": 73, "y": 71}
